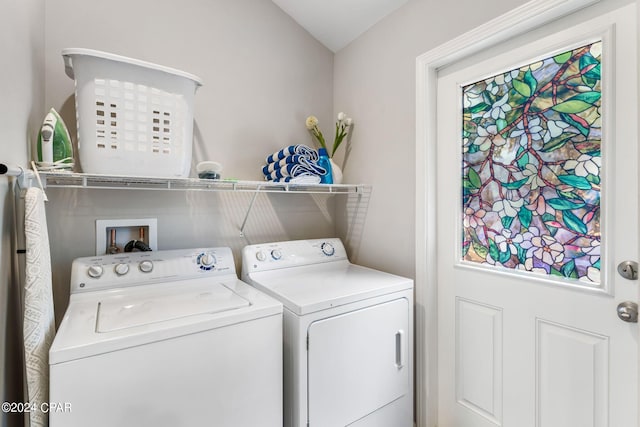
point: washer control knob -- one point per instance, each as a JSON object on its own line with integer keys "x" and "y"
{"x": 328, "y": 249}
{"x": 121, "y": 269}
{"x": 206, "y": 261}
{"x": 276, "y": 254}
{"x": 95, "y": 271}
{"x": 146, "y": 266}
{"x": 260, "y": 256}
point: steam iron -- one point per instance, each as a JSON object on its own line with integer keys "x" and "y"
{"x": 55, "y": 151}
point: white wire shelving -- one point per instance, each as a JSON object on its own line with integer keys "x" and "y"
{"x": 121, "y": 182}
{"x": 96, "y": 181}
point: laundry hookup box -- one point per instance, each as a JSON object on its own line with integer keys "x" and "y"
{"x": 133, "y": 117}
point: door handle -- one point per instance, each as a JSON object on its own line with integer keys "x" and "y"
{"x": 400, "y": 354}
{"x": 628, "y": 311}
{"x": 628, "y": 270}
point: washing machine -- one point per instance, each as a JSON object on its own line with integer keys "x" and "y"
{"x": 348, "y": 334}
{"x": 166, "y": 338}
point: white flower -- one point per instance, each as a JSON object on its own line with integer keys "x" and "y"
{"x": 533, "y": 129}
{"x": 348, "y": 121}
{"x": 507, "y": 207}
{"x": 505, "y": 241}
{"x": 533, "y": 179}
{"x": 473, "y": 218}
{"x": 311, "y": 122}
{"x": 593, "y": 274}
{"x": 585, "y": 165}
{"x": 593, "y": 251}
{"x": 506, "y": 77}
{"x": 472, "y": 96}
{"x": 498, "y": 109}
{"x": 528, "y": 266}
{"x": 554, "y": 129}
{"x": 341, "y": 116}
{"x": 547, "y": 249}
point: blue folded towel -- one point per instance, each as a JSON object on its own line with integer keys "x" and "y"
{"x": 294, "y": 170}
{"x": 292, "y": 150}
{"x": 289, "y": 164}
{"x": 295, "y": 163}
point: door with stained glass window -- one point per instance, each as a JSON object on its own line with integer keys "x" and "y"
{"x": 537, "y": 150}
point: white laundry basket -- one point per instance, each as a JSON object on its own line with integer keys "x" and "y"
{"x": 133, "y": 117}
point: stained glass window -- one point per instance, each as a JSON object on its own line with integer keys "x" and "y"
{"x": 531, "y": 167}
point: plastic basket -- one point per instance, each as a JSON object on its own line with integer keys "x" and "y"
{"x": 133, "y": 117}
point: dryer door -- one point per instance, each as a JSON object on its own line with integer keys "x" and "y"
{"x": 357, "y": 363}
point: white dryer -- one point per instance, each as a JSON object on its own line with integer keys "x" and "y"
{"x": 348, "y": 334}
{"x": 167, "y": 338}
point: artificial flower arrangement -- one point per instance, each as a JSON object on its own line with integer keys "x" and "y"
{"x": 342, "y": 128}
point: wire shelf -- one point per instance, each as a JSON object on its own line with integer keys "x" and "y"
{"x": 96, "y": 181}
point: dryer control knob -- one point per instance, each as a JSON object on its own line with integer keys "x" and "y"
{"x": 276, "y": 254}
{"x": 95, "y": 271}
{"x": 328, "y": 249}
{"x": 121, "y": 269}
{"x": 260, "y": 256}
{"x": 146, "y": 266}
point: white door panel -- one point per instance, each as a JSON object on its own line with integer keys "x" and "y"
{"x": 357, "y": 363}
{"x": 542, "y": 349}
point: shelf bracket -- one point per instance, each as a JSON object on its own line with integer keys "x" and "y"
{"x": 246, "y": 217}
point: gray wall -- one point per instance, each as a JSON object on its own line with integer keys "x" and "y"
{"x": 21, "y": 86}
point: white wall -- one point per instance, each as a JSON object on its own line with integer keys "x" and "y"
{"x": 263, "y": 75}
{"x": 374, "y": 81}
{"x": 21, "y": 86}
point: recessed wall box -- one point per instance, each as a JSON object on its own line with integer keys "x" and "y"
{"x": 113, "y": 234}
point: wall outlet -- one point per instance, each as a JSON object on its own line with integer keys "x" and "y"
{"x": 124, "y": 231}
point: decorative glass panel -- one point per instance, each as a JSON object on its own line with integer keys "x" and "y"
{"x": 531, "y": 167}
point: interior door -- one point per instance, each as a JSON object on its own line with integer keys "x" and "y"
{"x": 358, "y": 363}
{"x": 536, "y": 155}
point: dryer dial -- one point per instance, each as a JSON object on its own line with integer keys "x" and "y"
{"x": 276, "y": 254}
{"x": 260, "y": 256}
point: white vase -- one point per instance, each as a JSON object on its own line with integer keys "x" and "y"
{"x": 336, "y": 172}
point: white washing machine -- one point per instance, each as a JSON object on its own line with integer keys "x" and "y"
{"x": 348, "y": 334}
{"x": 167, "y": 338}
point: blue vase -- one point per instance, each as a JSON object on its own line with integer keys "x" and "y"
{"x": 324, "y": 162}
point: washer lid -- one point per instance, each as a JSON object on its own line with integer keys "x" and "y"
{"x": 125, "y": 311}
{"x": 311, "y": 288}
{"x": 104, "y": 321}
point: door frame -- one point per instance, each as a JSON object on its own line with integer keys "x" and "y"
{"x": 518, "y": 21}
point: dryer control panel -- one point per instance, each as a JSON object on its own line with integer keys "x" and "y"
{"x": 271, "y": 256}
{"x": 142, "y": 268}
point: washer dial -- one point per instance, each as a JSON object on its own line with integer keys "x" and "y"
{"x": 121, "y": 269}
{"x": 328, "y": 249}
{"x": 206, "y": 261}
{"x": 95, "y": 271}
{"x": 146, "y": 266}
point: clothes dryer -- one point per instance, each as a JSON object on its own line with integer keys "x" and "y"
{"x": 167, "y": 338}
{"x": 348, "y": 346}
